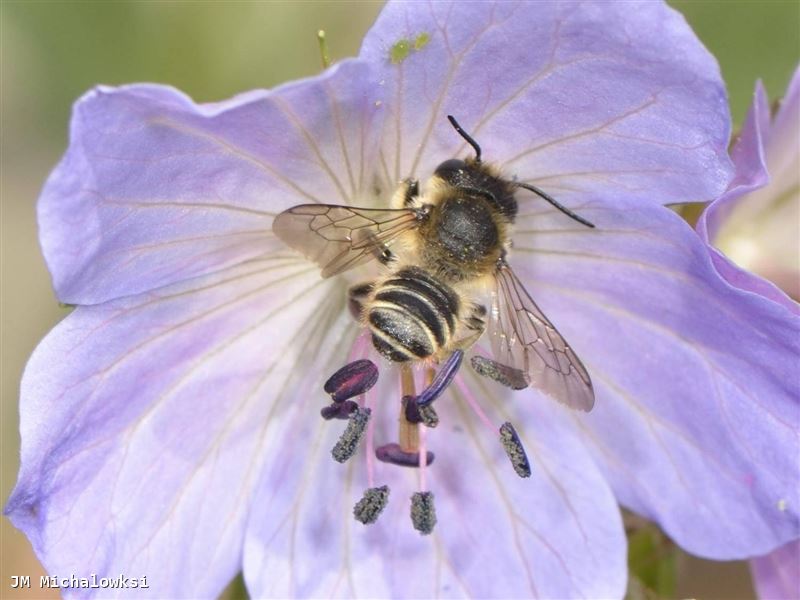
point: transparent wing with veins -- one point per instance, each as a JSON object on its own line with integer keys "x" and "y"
{"x": 338, "y": 238}
{"x": 523, "y": 338}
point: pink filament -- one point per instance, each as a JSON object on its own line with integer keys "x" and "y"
{"x": 370, "y": 441}
{"x": 360, "y": 350}
{"x": 473, "y": 403}
{"x": 423, "y": 456}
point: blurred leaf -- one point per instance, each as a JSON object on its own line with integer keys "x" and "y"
{"x": 236, "y": 590}
{"x": 637, "y": 590}
{"x": 741, "y": 34}
{"x": 210, "y": 50}
{"x": 652, "y": 563}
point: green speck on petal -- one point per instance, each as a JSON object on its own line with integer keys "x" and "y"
{"x": 400, "y": 51}
{"x": 402, "y": 48}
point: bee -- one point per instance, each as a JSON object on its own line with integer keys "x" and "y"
{"x": 445, "y": 247}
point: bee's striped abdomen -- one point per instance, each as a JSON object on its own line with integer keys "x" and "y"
{"x": 412, "y": 315}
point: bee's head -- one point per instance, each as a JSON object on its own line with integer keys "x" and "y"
{"x": 451, "y": 170}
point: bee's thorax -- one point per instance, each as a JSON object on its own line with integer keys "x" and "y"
{"x": 462, "y": 238}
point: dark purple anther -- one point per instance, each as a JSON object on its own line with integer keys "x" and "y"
{"x": 442, "y": 379}
{"x": 352, "y": 380}
{"x": 391, "y": 453}
{"x": 339, "y": 410}
{"x": 414, "y": 413}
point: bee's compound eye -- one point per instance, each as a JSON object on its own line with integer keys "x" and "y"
{"x": 450, "y": 169}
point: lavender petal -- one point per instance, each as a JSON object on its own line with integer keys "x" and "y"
{"x": 146, "y": 420}
{"x": 762, "y": 201}
{"x": 696, "y": 418}
{"x": 776, "y": 576}
{"x": 156, "y": 189}
{"x": 581, "y": 99}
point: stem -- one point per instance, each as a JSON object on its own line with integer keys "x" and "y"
{"x": 323, "y": 49}
{"x": 409, "y": 432}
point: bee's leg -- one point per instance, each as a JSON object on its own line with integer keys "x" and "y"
{"x": 406, "y": 194}
{"x": 477, "y": 318}
{"x": 475, "y": 324}
{"x": 385, "y": 256}
{"x": 356, "y": 296}
{"x": 380, "y": 251}
{"x": 411, "y": 191}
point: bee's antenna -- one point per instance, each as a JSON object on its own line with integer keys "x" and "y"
{"x": 555, "y": 203}
{"x": 466, "y": 136}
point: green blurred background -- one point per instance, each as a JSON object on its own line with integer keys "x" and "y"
{"x": 53, "y": 51}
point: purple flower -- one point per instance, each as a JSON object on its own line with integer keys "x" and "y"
{"x": 777, "y": 575}
{"x": 170, "y": 423}
{"x": 755, "y": 223}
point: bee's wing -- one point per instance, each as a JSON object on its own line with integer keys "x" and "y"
{"x": 338, "y": 238}
{"x": 524, "y": 339}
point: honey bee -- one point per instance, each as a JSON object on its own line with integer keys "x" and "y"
{"x": 444, "y": 245}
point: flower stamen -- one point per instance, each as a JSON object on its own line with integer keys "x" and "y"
{"x": 442, "y": 379}
{"x": 423, "y": 435}
{"x": 515, "y": 450}
{"x": 339, "y": 410}
{"x": 508, "y": 434}
{"x": 423, "y": 512}
{"x": 348, "y": 442}
{"x": 395, "y": 455}
{"x": 502, "y": 374}
{"x": 415, "y": 413}
{"x": 351, "y": 380}
{"x": 370, "y": 444}
{"x": 420, "y": 409}
{"x": 408, "y": 433}
{"x": 368, "y": 509}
